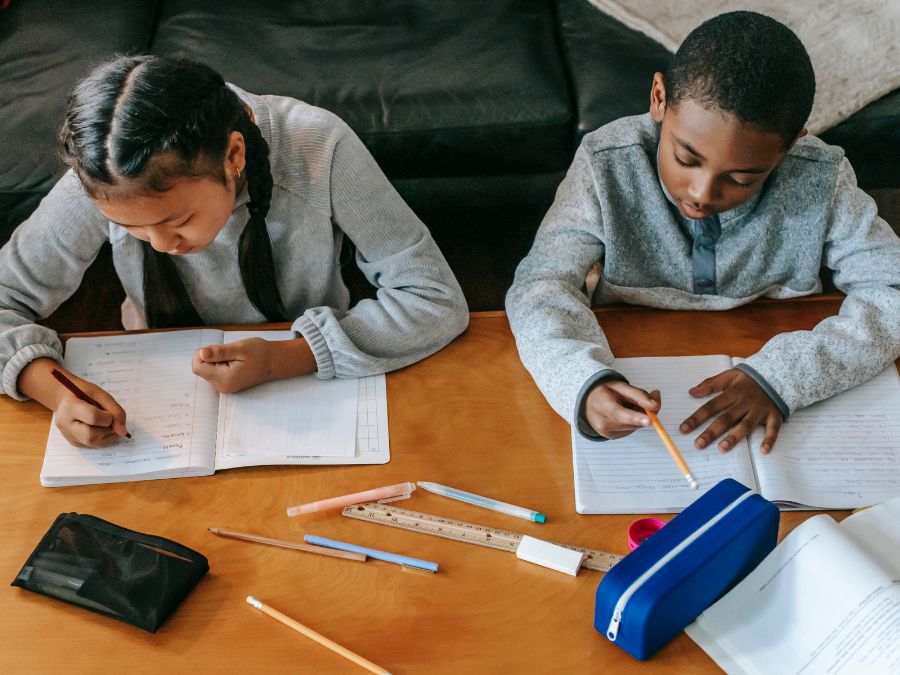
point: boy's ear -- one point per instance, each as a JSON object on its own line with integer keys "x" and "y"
{"x": 803, "y": 132}
{"x": 658, "y": 98}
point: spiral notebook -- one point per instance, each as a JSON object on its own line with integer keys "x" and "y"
{"x": 841, "y": 453}
{"x": 181, "y": 426}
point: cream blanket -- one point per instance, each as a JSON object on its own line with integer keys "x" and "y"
{"x": 854, "y": 45}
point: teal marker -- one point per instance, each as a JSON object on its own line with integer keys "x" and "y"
{"x": 485, "y": 502}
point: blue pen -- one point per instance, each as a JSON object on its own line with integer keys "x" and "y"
{"x": 484, "y": 502}
{"x": 372, "y": 553}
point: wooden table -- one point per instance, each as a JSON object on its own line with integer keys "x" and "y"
{"x": 469, "y": 416}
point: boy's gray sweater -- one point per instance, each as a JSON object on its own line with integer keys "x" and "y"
{"x": 326, "y": 186}
{"x": 611, "y": 209}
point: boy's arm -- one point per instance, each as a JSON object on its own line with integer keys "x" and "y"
{"x": 803, "y": 367}
{"x": 557, "y": 334}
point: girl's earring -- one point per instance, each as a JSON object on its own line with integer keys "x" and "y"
{"x": 238, "y": 173}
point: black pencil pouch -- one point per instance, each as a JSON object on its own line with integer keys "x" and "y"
{"x": 136, "y": 578}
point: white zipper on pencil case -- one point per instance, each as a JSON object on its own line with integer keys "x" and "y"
{"x": 613, "y": 629}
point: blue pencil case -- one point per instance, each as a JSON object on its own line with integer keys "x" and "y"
{"x": 667, "y": 581}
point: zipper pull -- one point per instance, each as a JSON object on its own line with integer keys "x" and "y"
{"x": 613, "y": 629}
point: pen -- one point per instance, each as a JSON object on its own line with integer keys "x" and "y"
{"x": 382, "y": 494}
{"x": 477, "y": 500}
{"x": 670, "y": 446}
{"x": 316, "y": 637}
{"x": 71, "y": 386}
{"x": 372, "y": 553}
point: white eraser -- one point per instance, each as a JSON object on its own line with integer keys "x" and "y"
{"x": 544, "y": 553}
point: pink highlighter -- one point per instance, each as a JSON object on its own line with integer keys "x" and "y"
{"x": 383, "y": 495}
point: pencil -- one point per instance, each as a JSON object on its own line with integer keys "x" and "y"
{"x": 313, "y": 635}
{"x": 71, "y": 386}
{"x": 309, "y": 548}
{"x": 670, "y": 446}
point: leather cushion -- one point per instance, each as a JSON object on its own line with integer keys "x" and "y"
{"x": 611, "y": 66}
{"x": 45, "y": 47}
{"x": 871, "y": 139}
{"x": 433, "y": 89}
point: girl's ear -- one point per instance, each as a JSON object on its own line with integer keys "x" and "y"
{"x": 658, "y": 98}
{"x": 235, "y": 156}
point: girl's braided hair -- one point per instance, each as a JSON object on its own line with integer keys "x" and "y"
{"x": 137, "y": 122}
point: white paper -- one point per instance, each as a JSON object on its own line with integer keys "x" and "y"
{"x": 298, "y": 416}
{"x": 171, "y": 413}
{"x": 840, "y": 453}
{"x": 636, "y": 474}
{"x": 338, "y": 421}
{"x": 826, "y": 600}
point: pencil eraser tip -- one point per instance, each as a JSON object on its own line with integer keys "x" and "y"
{"x": 693, "y": 483}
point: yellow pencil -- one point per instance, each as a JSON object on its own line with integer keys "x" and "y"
{"x": 670, "y": 446}
{"x": 313, "y": 635}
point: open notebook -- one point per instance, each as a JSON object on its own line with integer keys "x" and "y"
{"x": 840, "y": 453}
{"x": 181, "y": 426}
{"x": 826, "y": 600}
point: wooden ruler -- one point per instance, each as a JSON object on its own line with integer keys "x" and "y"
{"x": 457, "y": 530}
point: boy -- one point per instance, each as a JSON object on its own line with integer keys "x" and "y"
{"x": 714, "y": 198}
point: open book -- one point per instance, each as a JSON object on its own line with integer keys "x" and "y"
{"x": 840, "y": 453}
{"x": 181, "y": 426}
{"x": 826, "y": 600}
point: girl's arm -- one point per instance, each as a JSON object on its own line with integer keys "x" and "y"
{"x": 419, "y": 306}
{"x": 40, "y": 267}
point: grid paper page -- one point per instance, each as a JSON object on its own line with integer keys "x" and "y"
{"x": 171, "y": 412}
{"x": 635, "y": 474}
{"x": 366, "y": 427}
{"x": 840, "y": 453}
{"x": 297, "y": 416}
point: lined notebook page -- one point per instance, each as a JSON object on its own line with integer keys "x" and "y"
{"x": 171, "y": 412}
{"x": 636, "y": 474}
{"x": 303, "y": 420}
{"x": 840, "y": 453}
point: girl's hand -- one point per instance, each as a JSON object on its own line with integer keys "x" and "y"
{"x": 235, "y": 366}
{"x": 82, "y": 424}
{"x": 741, "y": 407}
{"x": 615, "y": 409}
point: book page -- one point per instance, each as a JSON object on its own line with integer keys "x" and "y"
{"x": 826, "y": 600}
{"x": 297, "y": 421}
{"x": 840, "y": 453}
{"x": 171, "y": 412}
{"x": 636, "y": 474}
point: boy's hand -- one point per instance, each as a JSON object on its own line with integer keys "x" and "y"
{"x": 615, "y": 409}
{"x": 235, "y": 366}
{"x": 741, "y": 407}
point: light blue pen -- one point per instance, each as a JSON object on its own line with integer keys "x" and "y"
{"x": 469, "y": 498}
{"x": 372, "y": 553}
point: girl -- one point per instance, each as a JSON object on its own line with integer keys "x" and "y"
{"x": 222, "y": 208}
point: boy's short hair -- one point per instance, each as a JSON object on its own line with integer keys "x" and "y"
{"x": 749, "y": 65}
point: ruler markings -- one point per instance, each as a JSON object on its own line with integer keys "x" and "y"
{"x": 470, "y": 533}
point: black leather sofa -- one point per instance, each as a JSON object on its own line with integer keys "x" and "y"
{"x": 472, "y": 108}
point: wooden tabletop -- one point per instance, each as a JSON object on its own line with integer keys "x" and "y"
{"x": 470, "y": 417}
